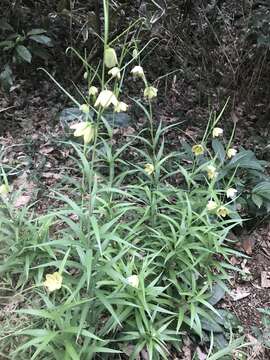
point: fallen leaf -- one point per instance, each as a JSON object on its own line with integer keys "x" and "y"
{"x": 247, "y": 245}
{"x": 22, "y": 200}
{"x": 51, "y": 175}
{"x": 256, "y": 347}
{"x": 239, "y": 294}
{"x": 234, "y": 117}
{"x": 265, "y": 279}
{"x": 46, "y": 150}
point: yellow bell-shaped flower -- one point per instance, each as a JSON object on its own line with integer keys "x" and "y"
{"x": 231, "y": 193}
{"x": 93, "y": 91}
{"x": 120, "y": 107}
{"x": 105, "y": 99}
{"x": 84, "y": 129}
{"x": 138, "y": 72}
{"x": 133, "y": 281}
{"x": 211, "y": 205}
{"x": 211, "y": 172}
{"x": 53, "y": 281}
{"x": 110, "y": 58}
{"x": 231, "y": 153}
{"x": 115, "y": 72}
{"x": 222, "y": 211}
{"x": 150, "y": 92}
{"x": 197, "y": 149}
{"x": 217, "y": 132}
{"x": 149, "y": 169}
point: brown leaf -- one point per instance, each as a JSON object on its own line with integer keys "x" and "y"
{"x": 22, "y": 200}
{"x": 239, "y": 294}
{"x": 248, "y": 245}
{"x": 234, "y": 117}
{"x": 265, "y": 279}
{"x": 51, "y": 175}
{"x": 46, "y": 150}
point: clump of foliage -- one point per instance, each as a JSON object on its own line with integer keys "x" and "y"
{"x": 19, "y": 48}
{"x": 262, "y": 333}
{"x": 128, "y": 260}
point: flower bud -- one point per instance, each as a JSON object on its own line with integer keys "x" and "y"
{"x": 4, "y": 189}
{"x": 93, "y": 91}
{"x": 110, "y": 58}
{"x": 84, "y": 108}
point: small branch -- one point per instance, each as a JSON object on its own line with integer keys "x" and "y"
{"x": 10, "y": 107}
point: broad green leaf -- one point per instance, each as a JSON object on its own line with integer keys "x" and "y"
{"x": 258, "y": 201}
{"x": 219, "y": 150}
{"x": 216, "y": 295}
{"x": 42, "y": 39}
{"x": 36, "y": 32}
{"x": 24, "y": 53}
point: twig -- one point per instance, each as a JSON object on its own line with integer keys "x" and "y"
{"x": 10, "y": 107}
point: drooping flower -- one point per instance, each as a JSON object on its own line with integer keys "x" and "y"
{"x": 197, "y": 149}
{"x": 149, "y": 169}
{"x": 222, "y": 211}
{"x": 138, "y": 72}
{"x": 115, "y": 72}
{"x": 211, "y": 172}
{"x": 231, "y": 193}
{"x": 53, "y": 281}
{"x": 110, "y": 58}
{"x": 135, "y": 53}
{"x": 231, "y": 153}
{"x": 217, "y": 132}
{"x": 150, "y": 92}
{"x": 4, "y": 189}
{"x": 133, "y": 280}
{"x": 211, "y": 205}
{"x": 121, "y": 106}
{"x": 84, "y": 108}
{"x": 84, "y": 129}
{"x": 105, "y": 99}
{"x": 93, "y": 91}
